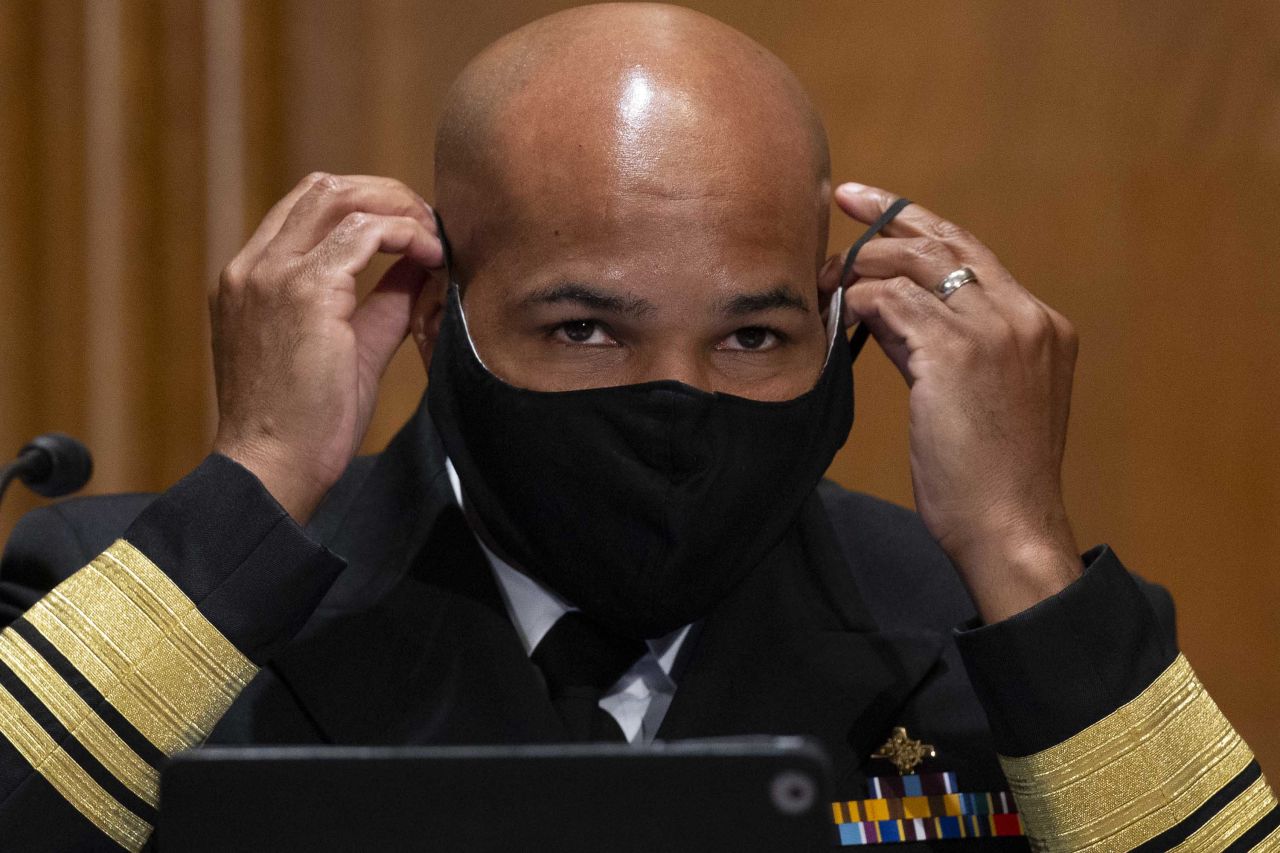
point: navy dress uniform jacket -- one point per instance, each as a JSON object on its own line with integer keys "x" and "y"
{"x": 380, "y": 623}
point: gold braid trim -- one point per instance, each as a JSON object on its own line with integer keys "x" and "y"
{"x": 1233, "y": 820}
{"x": 144, "y": 646}
{"x": 68, "y": 778}
{"x": 1131, "y": 775}
{"x": 78, "y": 718}
{"x": 1269, "y": 844}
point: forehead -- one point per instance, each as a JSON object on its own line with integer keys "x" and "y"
{"x": 644, "y": 129}
{"x": 649, "y": 239}
{"x": 648, "y": 161}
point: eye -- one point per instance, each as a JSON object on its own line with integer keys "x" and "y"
{"x": 750, "y": 339}
{"x": 582, "y": 333}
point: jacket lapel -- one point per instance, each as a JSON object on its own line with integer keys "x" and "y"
{"x": 413, "y": 643}
{"x": 794, "y": 651}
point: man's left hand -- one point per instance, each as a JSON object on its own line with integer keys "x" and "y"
{"x": 989, "y": 370}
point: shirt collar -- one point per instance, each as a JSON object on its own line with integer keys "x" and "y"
{"x": 534, "y": 609}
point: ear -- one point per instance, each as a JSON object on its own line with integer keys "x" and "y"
{"x": 428, "y": 310}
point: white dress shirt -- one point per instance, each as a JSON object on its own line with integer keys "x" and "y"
{"x": 640, "y": 698}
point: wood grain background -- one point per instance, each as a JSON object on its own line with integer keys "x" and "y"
{"x": 1122, "y": 158}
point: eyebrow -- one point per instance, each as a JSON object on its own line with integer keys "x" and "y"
{"x": 782, "y": 296}
{"x": 590, "y": 297}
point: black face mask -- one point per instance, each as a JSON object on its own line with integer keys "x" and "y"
{"x": 643, "y": 505}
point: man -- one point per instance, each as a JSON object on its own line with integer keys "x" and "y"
{"x": 633, "y": 392}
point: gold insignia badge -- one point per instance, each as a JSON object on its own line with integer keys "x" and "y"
{"x": 905, "y": 753}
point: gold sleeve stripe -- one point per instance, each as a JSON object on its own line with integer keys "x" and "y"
{"x": 68, "y": 778}
{"x": 1270, "y": 843}
{"x": 144, "y": 646}
{"x": 1133, "y": 774}
{"x": 1233, "y": 820}
{"x": 75, "y": 715}
{"x": 164, "y": 603}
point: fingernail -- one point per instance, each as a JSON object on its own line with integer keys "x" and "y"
{"x": 851, "y": 188}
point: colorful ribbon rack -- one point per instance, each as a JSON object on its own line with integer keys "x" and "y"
{"x": 913, "y": 785}
{"x": 923, "y": 806}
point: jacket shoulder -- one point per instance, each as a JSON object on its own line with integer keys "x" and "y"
{"x": 50, "y": 543}
{"x": 904, "y": 577}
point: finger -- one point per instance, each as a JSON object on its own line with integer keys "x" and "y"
{"x": 381, "y": 321}
{"x": 237, "y": 269}
{"x": 927, "y": 261}
{"x": 898, "y": 314}
{"x": 892, "y": 345}
{"x": 359, "y": 236}
{"x": 865, "y": 204}
{"x": 905, "y": 309}
{"x": 923, "y": 260}
{"x": 270, "y": 224}
{"x": 331, "y": 198}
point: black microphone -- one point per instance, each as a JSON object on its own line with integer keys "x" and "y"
{"x": 53, "y": 464}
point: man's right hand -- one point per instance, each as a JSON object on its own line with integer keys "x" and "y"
{"x": 297, "y": 357}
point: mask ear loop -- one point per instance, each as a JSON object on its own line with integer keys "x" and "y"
{"x": 860, "y": 332}
{"x": 444, "y": 246}
{"x": 454, "y": 285}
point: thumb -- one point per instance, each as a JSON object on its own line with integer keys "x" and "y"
{"x": 382, "y": 319}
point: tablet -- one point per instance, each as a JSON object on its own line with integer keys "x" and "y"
{"x": 734, "y": 794}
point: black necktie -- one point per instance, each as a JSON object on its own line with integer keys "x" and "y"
{"x": 580, "y": 660}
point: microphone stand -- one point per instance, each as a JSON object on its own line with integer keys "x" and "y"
{"x": 15, "y": 469}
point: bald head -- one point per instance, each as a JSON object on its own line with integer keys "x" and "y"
{"x": 641, "y": 148}
{"x": 637, "y": 96}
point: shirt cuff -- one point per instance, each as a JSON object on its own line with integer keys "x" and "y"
{"x": 1058, "y": 667}
{"x": 233, "y": 550}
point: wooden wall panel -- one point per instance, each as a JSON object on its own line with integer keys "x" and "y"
{"x": 42, "y": 228}
{"x": 18, "y": 36}
{"x": 59, "y": 276}
{"x": 1123, "y": 160}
